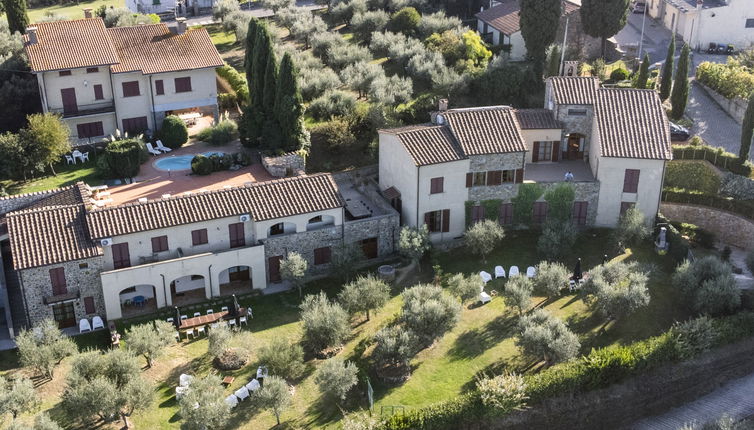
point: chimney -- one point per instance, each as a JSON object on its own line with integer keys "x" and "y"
{"x": 180, "y": 25}
{"x": 88, "y": 13}
{"x": 32, "y": 33}
{"x": 442, "y": 105}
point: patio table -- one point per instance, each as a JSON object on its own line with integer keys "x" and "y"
{"x": 76, "y": 154}
{"x": 202, "y": 320}
{"x": 138, "y": 300}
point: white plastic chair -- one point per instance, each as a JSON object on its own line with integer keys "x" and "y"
{"x": 185, "y": 380}
{"x": 232, "y": 401}
{"x": 210, "y": 312}
{"x": 85, "y": 156}
{"x": 180, "y": 391}
{"x": 162, "y": 147}
{"x": 151, "y": 150}
{"x": 69, "y": 159}
{"x": 484, "y": 297}
{"x": 513, "y": 271}
{"x": 97, "y": 322}
{"x": 486, "y": 277}
{"x": 184, "y": 317}
{"x": 253, "y": 385}
{"x": 197, "y": 314}
{"x": 531, "y": 272}
{"x": 170, "y": 320}
{"x": 242, "y": 393}
{"x": 499, "y": 272}
{"x": 200, "y": 330}
{"x": 232, "y": 323}
{"x": 84, "y": 326}
{"x": 224, "y": 309}
{"x": 242, "y": 321}
{"x": 190, "y": 332}
{"x": 214, "y": 325}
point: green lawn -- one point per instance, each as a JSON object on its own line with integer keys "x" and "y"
{"x": 72, "y": 10}
{"x": 483, "y": 341}
{"x": 67, "y": 174}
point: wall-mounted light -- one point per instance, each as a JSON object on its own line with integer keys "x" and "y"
{"x": 86, "y": 83}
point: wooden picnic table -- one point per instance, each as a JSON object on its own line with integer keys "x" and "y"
{"x": 202, "y": 320}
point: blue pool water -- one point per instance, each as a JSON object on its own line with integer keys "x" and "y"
{"x": 179, "y": 162}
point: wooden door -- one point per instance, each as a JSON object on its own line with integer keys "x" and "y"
{"x": 69, "y": 101}
{"x": 369, "y": 248}
{"x": 64, "y": 315}
{"x": 273, "y": 267}
{"x": 574, "y": 147}
{"x": 239, "y": 273}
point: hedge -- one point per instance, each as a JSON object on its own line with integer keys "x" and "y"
{"x": 237, "y": 82}
{"x": 716, "y": 156}
{"x": 173, "y": 132}
{"x": 692, "y": 175}
{"x": 745, "y": 208}
{"x": 598, "y": 369}
{"x": 730, "y": 80}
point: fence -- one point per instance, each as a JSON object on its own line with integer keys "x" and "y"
{"x": 716, "y": 156}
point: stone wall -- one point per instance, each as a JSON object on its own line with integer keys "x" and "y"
{"x": 483, "y": 163}
{"x": 385, "y": 227}
{"x": 36, "y": 285}
{"x": 304, "y": 243}
{"x": 736, "y": 107}
{"x": 727, "y": 227}
{"x": 576, "y": 124}
{"x": 290, "y": 164}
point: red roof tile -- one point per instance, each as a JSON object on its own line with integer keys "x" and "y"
{"x": 70, "y": 45}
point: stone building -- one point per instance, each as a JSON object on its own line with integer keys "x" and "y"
{"x": 468, "y": 164}
{"x": 67, "y": 260}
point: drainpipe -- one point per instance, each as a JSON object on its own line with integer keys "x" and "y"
{"x": 210, "y": 281}
{"x": 662, "y": 185}
{"x": 164, "y": 290}
{"x": 112, "y": 93}
{"x": 418, "y": 179}
{"x": 154, "y": 114}
{"x": 23, "y": 296}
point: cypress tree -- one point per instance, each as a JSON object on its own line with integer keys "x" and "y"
{"x": 553, "y": 63}
{"x": 666, "y": 81}
{"x": 641, "y": 81}
{"x": 246, "y": 126}
{"x": 539, "y": 25}
{"x": 15, "y": 12}
{"x": 747, "y": 131}
{"x": 680, "y": 96}
{"x": 251, "y": 37}
{"x": 289, "y": 108}
{"x": 271, "y": 135}
{"x": 258, "y": 49}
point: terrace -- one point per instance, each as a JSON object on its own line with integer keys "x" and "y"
{"x": 555, "y": 172}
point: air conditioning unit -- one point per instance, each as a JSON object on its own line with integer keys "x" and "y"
{"x": 245, "y": 218}
{"x": 106, "y": 241}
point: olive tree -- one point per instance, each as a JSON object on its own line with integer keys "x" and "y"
{"x": 283, "y": 358}
{"x": 293, "y": 269}
{"x": 466, "y": 288}
{"x": 17, "y": 396}
{"x": 223, "y": 8}
{"x": 365, "y": 294}
{"x": 546, "y": 337}
{"x": 365, "y": 23}
{"x": 274, "y": 395}
{"x": 617, "y": 289}
{"x": 517, "y": 293}
{"x": 413, "y": 243}
{"x": 150, "y": 339}
{"x": 336, "y": 377}
{"x": 429, "y": 312}
{"x": 389, "y": 90}
{"x": 557, "y": 239}
{"x": 360, "y": 76}
{"x": 44, "y": 347}
{"x": 631, "y": 229}
{"x": 551, "y": 278}
{"x": 708, "y": 286}
{"x": 482, "y": 237}
{"x": 203, "y": 405}
{"x": 45, "y": 138}
{"x": 325, "y": 323}
{"x": 41, "y": 422}
{"x": 394, "y": 348}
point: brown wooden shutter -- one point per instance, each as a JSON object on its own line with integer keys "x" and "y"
{"x": 236, "y": 234}
{"x": 506, "y": 214}
{"x": 445, "y": 220}
{"x": 428, "y": 220}
{"x": 469, "y": 180}
{"x": 519, "y": 176}
{"x": 121, "y": 256}
{"x": 98, "y": 94}
{"x": 495, "y": 177}
{"x": 631, "y": 181}
{"x": 57, "y": 279}
{"x": 555, "y": 150}
{"x": 89, "y": 305}
{"x": 159, "y": 87}
{"x": 535, "y": 152}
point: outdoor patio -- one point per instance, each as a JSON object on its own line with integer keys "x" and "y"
{"x": 555, "y": 172}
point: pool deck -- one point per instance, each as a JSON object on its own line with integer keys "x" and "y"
{"x": 152, "y": 183}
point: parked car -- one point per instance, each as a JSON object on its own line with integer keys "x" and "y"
{"x": 639, "y": 7}
{"x": 679, "y": 133}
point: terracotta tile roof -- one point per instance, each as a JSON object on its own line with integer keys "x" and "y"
{"x": 40, "y": 237}
{"x": 488, "y": 130}
{"x": 264, "y": 200}
{"x": 70, "y": 45}
{"x": 66, "y": 196}
{"x": 536, "y": 119}
{"x": 154, "y": 49}
{"x": 428, "y": 144}
{"x": 504, "y": 17}
{"x": 574, "y": 90}
{"x": 632, "y": 124}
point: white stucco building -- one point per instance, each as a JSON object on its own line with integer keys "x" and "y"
{"x": 468, "y": 164}
{"x": 701, "y": 22}
{"x": 128, "y": 78}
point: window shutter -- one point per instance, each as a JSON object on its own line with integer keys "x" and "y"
{"x": 440, "y": 184}
{"x": 159, "y": 87}
{"x": 631, "y": 181}
{"x": 469, "y": 180}
{"x": 535, "y": 152}
{"x": 445, "y": 220}
{"x": 427, "y": 219}
{"x": 555, "y": 150}
{"x": 519, "y": 176}
{"x": 89, "y": 305}
{"x": 98, "y": 94}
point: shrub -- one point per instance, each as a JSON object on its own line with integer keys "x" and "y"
{"x": 122, "y": 158}
{"x": 334, "y": 135}
{"x": 405, "y": 21}
{"x": 708, "y": 285}
{"x": 696, "y": 234}
{"x": 694, "y": 336}
{"x": 737, "y": 186}
{"x": 173, "y": 132}
{"x": 394, "y": 348}
{"x": 551, "y": 278}
{"x": 325, "y": 323}
{"x": 220, "y": 134}
{"x": 717, "y": 156}
{"x": 283, "y": 358}
{"x": 545, "y": 336}
{"x": 336, "y": 377}
{"x": 730, "y": 80}
{"x": 201, "y": 165}
{"x": 331, "y": 104}
{"x": 413, "y": 243}
{"x": 744, "y": 208}
{"x": 237, "y": 82}
{"x": 617, "y": 289}
{"x": 619, "y": 74}
{"x": 505, "y": 393}
{"x": 557, "y": 239}
{"x": 466, "y": 288}
{"x": 692, "y": 175}
{"x": 227, "y": 101}
{"x": 365, "y": 294}
{"x": 482, "y": 237}
{"x": 429, "y": 312}
{"x": 631, "y": 229}
{"x": 517, "y": 293}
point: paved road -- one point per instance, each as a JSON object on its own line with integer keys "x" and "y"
{"x": 735, "y": 399}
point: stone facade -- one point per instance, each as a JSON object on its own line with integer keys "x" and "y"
{"x": 504, "y": 192}
{"x": 727, "y": 227}
{"x": 291, "y": 164}
{"x": 304, "y": 243}
{"x": 584, "y": 192}
{"x": 482, "y": 163}
{"x": 580, "y": 124}
{"x": 385, "y": 227}
{"x": 36, "y": 286}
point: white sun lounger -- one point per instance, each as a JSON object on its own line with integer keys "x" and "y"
{"x": 513, "y": 271}
{"x": 185, "y": 380}
{"x": 162, "y": 147}
{"x": 152, "y": 150}
{"x": 242, "y": 393}
{"x": 253, "y": 385}
{"x": 531, "y": 272}
{"x": 232, "y": 401}
{"x": 499, "y": 272}
{"x": 484, "y": 297}
{"x": 486, "y": 277}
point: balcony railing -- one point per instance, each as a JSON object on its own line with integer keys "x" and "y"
{"x": 72, "y": 294}
{"x": 81, "y": 110}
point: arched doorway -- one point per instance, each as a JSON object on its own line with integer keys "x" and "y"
{"x": 188, "y": 289}
{"x": 574, "y": 147}
{"x": 235, "y": 280}
{"x": 137, "y": 300}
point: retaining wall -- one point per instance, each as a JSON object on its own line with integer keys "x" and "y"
{"x": 727, "y": 227}
{"x": 736, "y": 107}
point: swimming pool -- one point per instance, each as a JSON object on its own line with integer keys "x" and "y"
{"x": 179, "y": 162}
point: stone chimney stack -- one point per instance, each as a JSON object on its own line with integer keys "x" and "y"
{"x": 442, "y": 105}
{"x": 32, "y": 33}
{"x": 181, "y": 25}
{"x": 88, "y": 13}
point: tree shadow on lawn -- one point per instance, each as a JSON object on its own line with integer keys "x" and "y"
{"x": 476, "y": 341}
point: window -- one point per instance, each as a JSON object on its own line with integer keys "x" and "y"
{"x": 159, "y": 244}
{"x": 624, "y": 206}
{"x": 92, "y": 69}
{"x": 495, "y": 177}
{"x": 89, "y": 305}
{"x": 750, "y": 23}
{"x": 235, "y": 231}
{"x": 436, "y": 185}
{"x": 506, "y": 214}
{"x": 369, "y": 248}
{"x": 64, "y": 314}
{"x": 509, "y": 176}
{"x": 135, "y": 125}
{"x": 128, "y": 290}
{"x": 542, "y": 151}
{"x": 322, "y": 255}
{"x": 98, "y": 94}
{"x": 539, "y": 214}
{"x": 199, "y": 237}
{"x": 438, "y": 221}
{"x": 477, "y": 214}
{"x": 121, "y": 257}
{"x": 579, "y": 212}
{"x": 64, "y": 73}
{"x": 631, "y": 181}
{"x": 315, "y": 219}
{"x": 183, "y": 85}
{"x": 277, "y": 229}
{"x": 131, "y": 89}
{"x": 83, "y": 265}
{"x": 480, "y": 178}
{"x": 159, "y": 87}
{"x": 57, "y": 279}
{"x": 577, "y": 112}
{"x": 90, "y": 129}
{"x": 155, "y": 2}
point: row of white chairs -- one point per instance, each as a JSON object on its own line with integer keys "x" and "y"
{"x": 158, "y": 149}
{"x": 85, "y": 326}
{"x": 531, "y": 272}
{"x": 243, "y": 393}
{"x": 201, "y": 330}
